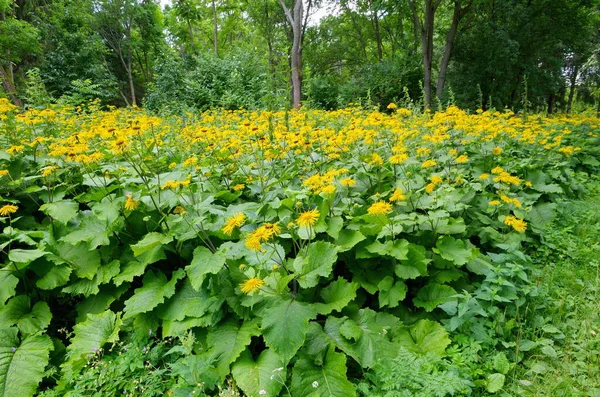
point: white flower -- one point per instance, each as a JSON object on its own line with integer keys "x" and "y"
{"x": 315, "y": 384}
{"x": 262, "y": 392}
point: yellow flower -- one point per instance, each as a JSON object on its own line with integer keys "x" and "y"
{"x": 484, "y": 176}
{"x": 518, "y": 225}
{"x": 380, "y": 208}
{"x": 131, "y": 203}
{"x": 172, "y": 165}
{"x": 392, "y": 106}
{"x": 428, "y": 164}
{"x": 498, "y": 170}
{"x": 528, "y": 184}
{"x": 232, "y": 222}
{"x": 239, "y": 187}
{"x": 8, "y": 209}
{"x": 253, "y": 243}
{"x": 436, "y": 180}
{"x": 398, "y": 158}
{"x": 430, "y": 187}
{"x": 398, "y": 195}
{"x": 497, "y": 151}
{"x": 462, "y": 159}
{"x": 179, "y": 210}
{"x": 308, "y": 218}
{"x": 329, "y": 189}
{"x": 3, "y": 173}
{"x": 494, "y": 203}
{"x": 348, "y": 182}
{"x": 251, "y": 285}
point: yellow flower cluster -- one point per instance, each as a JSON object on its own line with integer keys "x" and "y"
{"x": 232, "y": 222}
{"x": 518, "y": 225}
{"x": 260, "y": 235}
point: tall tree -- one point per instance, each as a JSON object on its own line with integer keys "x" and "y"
{"x": 295, "y": 17}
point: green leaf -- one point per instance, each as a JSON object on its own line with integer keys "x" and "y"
{"x": 390, "y": 293}
{"x": 29, "y": 320}
{"x": 396, "y": 249}
{"x": 204, "y": 262}
{"x": 154, "y": 291}
{"x": 336, "y": 296}
{"x": 318, "y": 262}
{"x": 347, "y": 239}
{"x": 63, "y": 211}
{"x": 327, "y": 380}
{"x": 424, "y": 337}
{"x": 91, "y": 230}
{"x": 453, "y": 250}
{"x": 415, "y": 265}
{"x": 228, "y": 340}
{"x": 284, "y": 326}
{"x": 25, "y": 256}
{"x": 130, "y": 271}
{"x": 90, "y": 336}
{"x": 432, "y": 295}
{"x": 22, "y": 363}
{"x": 150, "y": 242}
{"x": 85, "y": 262}
{"x": 494, "y": 382}
{"x": 188, "y": 302}
{"x": 334, "y": 225}
{"x": 99, "y": 302}
{"x": 267, "y": 373}
{"x": 541, "y": 215}
{"x": 57, "y": 276}
{"x": 501, "y": 363}
{"x": 8, "y": 284}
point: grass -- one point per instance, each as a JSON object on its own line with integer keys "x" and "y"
{"x": 565, "y": 320}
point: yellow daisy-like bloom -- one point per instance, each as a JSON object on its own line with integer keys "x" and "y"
{"x": 232, "y": 222}
{"x": 497, "y": 151}
{"x": 251, "y": 285}
{"x": 380, "y": 208}
{"x": 8, "y": 209}
{"x": 398, "y": 158}
{"x": 518, "y": 225}
{"x": 493, "y": 203}
{"x": 497, "y": 170}
{"x": 484, "y": 176}
{"x": 179, "y": 210}
{"x": 429, "y": 164}
{"x": 239, "y": 187}
{"x": 392, "y": 106}
{"x": 436, "y": 180}
{"x": 3, "y": 173}
{"x": 462, "y": 159}
{"x": 308, "y": 218}
{"x": 131, "y": 203}
{"x": 330, "y": 189}
{"x": 348, "y": 182}
{"x": 528, "y": 184}
{"x": 273, "y": 227}
{"x": 398, "y": 195}
{"x": 172, "y": 165}
{"x": 430, "y": 187}
{"x": 253, "y": 244}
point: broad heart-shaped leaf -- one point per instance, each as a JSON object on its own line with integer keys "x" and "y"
{"x": 494, "y": 382}
{"x": 80, "y": 258}
{"x": 228, "y": 340}
{"x": 284, "y": 326}
{"x": 204, "y": 262}
{"x": 99, "y": 302}
{"x": 327, "y": 380}
{"x": 92, "y": 230}
{"x": 347, "y": 239}
{"x": 396, "y": 249}
{"x": 22, "y": 363}
{"x": 154, "y": 291}
{"x": 8, "y": 284}
{"x": 423, "y": 337}
{"x": 62, "y": 211}
{"x": 187, "y": 302}
{"x": 453, "y": 250}
{"x": 541, "y": 215}
{"x": 390, "y": 293}
{"x": 416, "y": 264}
{"x": 265, "y": 376}
{"x": 150, "y": 242}
{"x": 363, "y": 337}
{"x": 318, "y": 262}
{"x": 18, "y": 311}
{"x": 90, "y": 336}
{"x": 54, "y": 275}
{"x": 336, "y": 296}
{"x": 432, "y": 295}
{"x": 25, "y": 256}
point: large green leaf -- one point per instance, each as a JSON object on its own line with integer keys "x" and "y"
{"x": 80, "y": 258}
{"x": 284, "y": 326}
{"x": 336, "y": 296}
{"x": 187, "y": 302}
{"x": 228, "y": 340}
{"x": 99, "y": 302}
{"x": 90, "y": 336}
{"x": 91, "y": 230}
{"x": 415, "y": 265}
{"x": 318, "y": 262}
{"x": 265, "y": 376}
{"x": 390, "y": 292}
{"x": 18, "y": 311}
{"x": 62, "y": 211}
{"x": 151, "y": 241}
{"x": 204, "y": 262}
{"x": 432, "y": 295}
{"x": 453, "y": 250}
{"x": 541, "y": 215}
{"x": 347, "y": 239}
{"x": 424, "y": 337}
{"x": 24, "y": 257}
{"x": 8, "y": 284}
{"x": 396, "y": 249}
{"x": 327, "y": 380}
{"x": 154, "y": 291}
{"x": 22, "y": 363}
{"x": 56, "y": 276}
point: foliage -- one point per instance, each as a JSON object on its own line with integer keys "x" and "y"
{"x": 300, "y": 249}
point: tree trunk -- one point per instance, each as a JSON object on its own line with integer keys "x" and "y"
{"x": 572, "y": 83}
{"x": 215, "y": 28}
{"x": 9, "y": 85}
{"x": 456, "y": 17}
{"x": 377, "y": 33}
{"x": 295, "y": 18}
{"x": 425, "y": 30}
{"x": 551, "y": 100}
